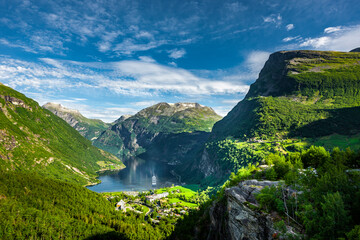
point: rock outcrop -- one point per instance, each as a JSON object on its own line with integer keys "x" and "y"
{"x": 233, "y": 218}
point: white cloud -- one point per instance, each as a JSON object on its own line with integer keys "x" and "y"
{"x": 107, "y": 40}
{"x": 288, "y": 39}
{"x": 273, "y": 18}
{"x": 144, "y": 34}
{"x": 135, "y": 78}
{"x": 332, "y": 29}
{"x": 256, "y": 60}
{"x": 316, "y": 42}
{"x": 177, "y": 53}
{"x": 144, "y": 104}
{"x": 107, "y": 114}
{"x": 147, "y": 59}
{"x": 232, "y": 101}
{"x": 290, "y": 27}
{"x": 128, "y": 46}
{"x": 338, "y": 39}
{"x": 3, "y": 41}
{"x": 223, "y": 110}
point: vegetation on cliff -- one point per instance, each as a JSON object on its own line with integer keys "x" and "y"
{"x": 297, "y": 94}
{"x": 34, "y": 139}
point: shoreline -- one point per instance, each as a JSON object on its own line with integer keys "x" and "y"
{"x": 102, "y": 172}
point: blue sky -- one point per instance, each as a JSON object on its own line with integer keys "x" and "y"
{"x": 109, "y": 58}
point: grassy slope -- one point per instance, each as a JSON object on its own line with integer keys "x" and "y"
{"x": 34, "y": 139}
{"x": 33, "y": 207}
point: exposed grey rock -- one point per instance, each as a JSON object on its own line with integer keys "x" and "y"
{"x": 234, "y": 219}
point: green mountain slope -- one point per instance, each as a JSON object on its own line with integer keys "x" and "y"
{"x": 89, "y": 128}
{"x": 301, "y": 98}
{"x": 34, "y": 207}
{"x": 299, "y": 94}
{"x": 132, "y": 136}
{"x": 34, "y": 139}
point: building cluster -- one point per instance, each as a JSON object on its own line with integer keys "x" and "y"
{"x": 154, "y": 197}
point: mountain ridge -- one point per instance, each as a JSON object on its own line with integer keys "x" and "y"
{"x": 131, "y": 136}
{"x": 88, "y": 128}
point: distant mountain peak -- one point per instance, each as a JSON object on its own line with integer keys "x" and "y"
{"x": 89, "y": 128}
{"x": 132, "y": 135}
{"x": 168, "y": 109}
{"x": 59, "y": 107}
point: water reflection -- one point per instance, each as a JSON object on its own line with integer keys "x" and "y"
{"x": 135, "y": 177}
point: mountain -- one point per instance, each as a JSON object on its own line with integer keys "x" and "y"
{"x": 299, "y": 94}
{"x": 301, "y": 98}
{"x": 89, "y": 128}
{"x": 34, "y": 139}
{"x": 133, "y": 135}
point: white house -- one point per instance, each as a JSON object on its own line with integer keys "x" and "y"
{"x": 153, "y": 197}
{"x": 120, "y": 205}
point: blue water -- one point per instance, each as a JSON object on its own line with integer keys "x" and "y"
{"x": 135, "y": 177}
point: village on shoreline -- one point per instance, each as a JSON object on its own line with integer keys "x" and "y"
{"x": 156, "y": 205}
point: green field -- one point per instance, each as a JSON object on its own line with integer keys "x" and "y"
{"x": 183, "y": 203}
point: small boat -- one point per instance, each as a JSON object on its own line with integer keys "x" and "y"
{"x": 153, "y": 180}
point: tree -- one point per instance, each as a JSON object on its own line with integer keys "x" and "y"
{"x": 315, "y": 157}
{"x": 329, "y": 221}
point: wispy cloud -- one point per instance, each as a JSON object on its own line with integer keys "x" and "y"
{"x": 288, "y": 39}
{"x": 273, "y": 18}
{"x": 337, "y": 38}
{"x": 144, "y": 104}
{"x": 290, "y": 27}
{"x": 332, "y": 29}
{"x": 3, "y": 41}
{"x": 107, "y": 114}
{"x": 135, "y": 78}
{"x": 256, "y": 60}
{"x": 177, "y": 53}
{"x": 129, "y": 46}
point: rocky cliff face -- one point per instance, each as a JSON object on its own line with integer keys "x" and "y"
{"x": 88, "y": 128}
{"x": 234, "y": 218}
{"x": 134, "y": 135}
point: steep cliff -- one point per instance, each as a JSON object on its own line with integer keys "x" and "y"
{"x": 299, "y": 93}
{"x": 88, "y": 128}
{"x": 235, "y": 217}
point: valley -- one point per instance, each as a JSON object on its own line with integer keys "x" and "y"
{"x": 282, "y": 164}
